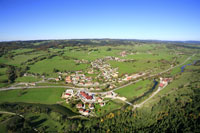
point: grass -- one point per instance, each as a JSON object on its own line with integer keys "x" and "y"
{"x": 4, "y": 121}
{"x": 27, "y": 79}
{"x": 36, "y": 95}
{"x": 3, "y": 77}
{"x": 17, "y": 60}
{"x": 178, "y": 69}
{"x": 19, "y": 51}
{"x": 172, "y": 90}
{"x": 48, "y": 65}
{"x": 91, "y": 55}
{"x": 134, "y": 90}
{"x": 110, "y": 106}
{"x": 41, "y": 120}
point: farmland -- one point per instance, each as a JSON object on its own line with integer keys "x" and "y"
{"x": 39, "y": 95}
{"x": 34, "y": 80}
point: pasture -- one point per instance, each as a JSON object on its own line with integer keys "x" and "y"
{"x": 48, "y": 65}
{"x": 35, "y": 95}
{"x": 134, "y": 90}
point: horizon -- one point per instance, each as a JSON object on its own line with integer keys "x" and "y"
{"x": 59, "y": 20}
{"x": 100, "y": 39}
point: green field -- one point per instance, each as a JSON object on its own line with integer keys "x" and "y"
{"x": 18, "y": 59}
{"x": 36, "y": 95}
{"x": 110, "y": 106}
{"x": 134, "y": 90}
{"x": 48, "y": 65}
{"x": 27, "y": 79}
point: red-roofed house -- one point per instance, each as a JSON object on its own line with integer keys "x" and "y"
{"x": 86, "y": 97}
{"x": 68, "y": 79}
{"x": 161, "y": 85}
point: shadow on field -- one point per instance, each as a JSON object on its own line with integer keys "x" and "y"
{"x": 38, "y": 123}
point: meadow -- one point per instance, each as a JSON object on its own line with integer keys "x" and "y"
{"x": 35, "y": 95}
{"x": 134, "y": 90}
{"x": 48, "y": 65}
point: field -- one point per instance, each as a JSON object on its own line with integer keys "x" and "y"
{"x": 134, "y": 90}
{"x": 41, "y": 63}
{"x": 48, "y": 65}
{"x": 39, "y": 95}
{"x": 110, "y": 106}
{"x": 178, "y": 88}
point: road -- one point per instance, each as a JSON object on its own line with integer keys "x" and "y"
{"x": 27, "y": 87}
{"x": 153, "y": 94}
{"x": 159, "y": 89}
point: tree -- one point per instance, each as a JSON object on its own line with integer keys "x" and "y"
{"x": 11, "y": 74}
{"x": 108, "y": 49}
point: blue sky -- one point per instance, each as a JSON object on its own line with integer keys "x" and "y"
{"x": 70, "y": 19}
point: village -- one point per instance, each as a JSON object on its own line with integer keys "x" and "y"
{"x": 105, "y": 75}
{"x": 88, "y": 100}
{"x": 96, "y": 90}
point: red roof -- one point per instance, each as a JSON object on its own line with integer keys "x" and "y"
{"x": 85, "y": 95}
{"x": 68, "y": 94}
{"x": 79, "y": 105}
{"x": 161, "y": 85}
{"x": 80, "y": 109}
{"x": 129, "y": 78}
{"x": 87, "y": 111}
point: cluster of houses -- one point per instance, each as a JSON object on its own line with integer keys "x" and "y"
{"x": 164, "y": 82}
{"x": 88, "y": 100}
{"x": 81, "y": 61}
{"x": 133, "y": 76}
{"x": 123, "y": 53}
{"x": 106, "y": 71}
{"x": 80, "y": 79}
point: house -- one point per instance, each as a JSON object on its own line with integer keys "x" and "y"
{"x": 110, "y": 94}
{"x": 128, "y": 78}
{"x": 91, "y": 106}
{"x": 102, "y": 104}
{"x": 123, "y": 53}
{"x": 85, "y": 97}
{"x": 86, "y": 112}
{"x": 81, "y": 110}
{"x": 69, "y": 91}
{"x": 99, "y": 99}
{"x": 68, "y": 79}
{"x": 161, "y": 85}
{"x": 33, "y": 84}
{"x": 80, "y": 105}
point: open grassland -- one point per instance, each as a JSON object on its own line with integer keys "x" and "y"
{"x": 91, "y": 54}
{"x": 48, "y": 65}
{"x": 3, "y": 77}
{"x": 37, "y": 95}
{"x": 42, "y": 120}
{"x": 21, "y": 51}
{"x": 28, "y": 79}
{"x": 174, "y": 89}
{"x": 134, "y": 90}
{"x": 18, "y": 59}
{"x": 110, "y": 106}
{"x": 178, "y": 69}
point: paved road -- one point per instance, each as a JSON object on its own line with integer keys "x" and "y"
{"x": 153, "y": 94}
{"x": 159, "y": 89}
{"x": 13, "y": 88}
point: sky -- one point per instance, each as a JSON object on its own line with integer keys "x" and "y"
{"x": 79, "y": 19}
